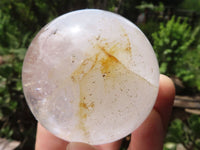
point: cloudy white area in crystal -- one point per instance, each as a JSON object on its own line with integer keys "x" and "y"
{"x": 90, "y": 76}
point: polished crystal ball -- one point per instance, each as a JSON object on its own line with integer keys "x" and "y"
{"x": 90, "y": 76}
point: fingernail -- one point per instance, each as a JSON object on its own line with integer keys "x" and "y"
{"x": 79, "y": 146}
{"x": 68, "y": 146}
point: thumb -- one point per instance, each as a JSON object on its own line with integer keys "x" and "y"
{"x": 79, "y": 146}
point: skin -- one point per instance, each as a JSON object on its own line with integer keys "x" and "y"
{"x": 149, "y": 136}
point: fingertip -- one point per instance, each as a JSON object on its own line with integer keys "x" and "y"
{"x": 165, "y": 99}
{"x": 150, "y": 134}
{"x": 167, "y": 87}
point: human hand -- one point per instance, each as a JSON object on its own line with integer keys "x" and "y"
{"x": 149, "y": 136}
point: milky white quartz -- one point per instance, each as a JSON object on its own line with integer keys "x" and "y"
{"x": 90, "y": 76}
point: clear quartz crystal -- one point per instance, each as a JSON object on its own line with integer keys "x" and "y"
{"x": 90, "y": 76}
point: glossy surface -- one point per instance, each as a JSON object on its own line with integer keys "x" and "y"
{"x": 90, "y": 76}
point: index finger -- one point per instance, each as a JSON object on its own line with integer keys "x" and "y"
{"x": 150, "y": 135}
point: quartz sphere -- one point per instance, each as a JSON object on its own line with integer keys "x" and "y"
{"x": 90, "y": 76}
